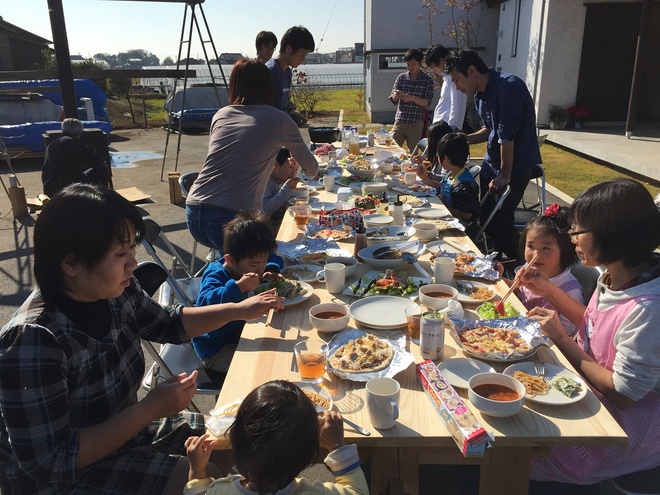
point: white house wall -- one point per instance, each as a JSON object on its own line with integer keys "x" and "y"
{"x": 559, "y": 27}
{"x": 392, "y": 25}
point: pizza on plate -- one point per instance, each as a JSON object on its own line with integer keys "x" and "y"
{"x": 484, "y": 339}
{"x": 363, "y": 355}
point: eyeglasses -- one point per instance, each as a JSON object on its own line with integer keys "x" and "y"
{"x": 573, "y": 234}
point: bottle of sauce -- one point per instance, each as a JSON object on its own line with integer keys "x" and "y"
{"x": 382, "y": 207}
{"x": 360, "y": 239}
{"x": 397, "y": 212}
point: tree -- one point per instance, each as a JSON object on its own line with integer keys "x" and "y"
{"x": 305, "y": 95}
{"x": 430, "y": 11}
{"x": 168, "y": 61}
{"x": 111, "y": 59}
{"x": 147, "y": 58}
{"x": 462, "y": 30}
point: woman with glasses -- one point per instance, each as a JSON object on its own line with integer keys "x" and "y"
{"x": 614, "y": 224}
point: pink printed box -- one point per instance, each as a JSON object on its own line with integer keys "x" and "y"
{"x": 470, "y": 437}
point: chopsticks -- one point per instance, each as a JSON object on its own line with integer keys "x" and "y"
{"x": 269, "y": 318}
{"x": 499, "y": 306}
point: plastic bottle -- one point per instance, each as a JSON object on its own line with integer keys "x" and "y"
{"x": 371, "y": 139}
{"x": 345, "y": 136}
{"x": 397, "y": 213}
{"x": 382, "y": 207}
{"x": 360, "y": 238}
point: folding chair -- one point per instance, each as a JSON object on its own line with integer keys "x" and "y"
{"x": 152, "y": 233}
{"x": 587, "y": 276}
{"x": 172, "y": 358}
{"x": 481, "y": 235}
{"x": 475, "y": 170}
{"x": 185, "y": 183}
{"x": 537, "y": 173}
{"x": 420, "y": 148}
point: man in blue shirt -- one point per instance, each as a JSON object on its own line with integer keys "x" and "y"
{"x": 296, "y": 44}
{"x": 509, "y": 125}
{"x": 412, "y": 93}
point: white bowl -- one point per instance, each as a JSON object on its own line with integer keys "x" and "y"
{"x": 381, "y": 155}
{"x": 302, "y": 191}
{"x": 377, "y": 220}
{"x": 349, "y": 262}
{"x": 426, "y": 231}
{"x": 329, "y": 325}
{"x": 378, "y": 235}
{"x": 437, "y": 303}
{"x": 377, "y": 188}
{"x": 363, "y": 172}
{"x": 500, "y": 409}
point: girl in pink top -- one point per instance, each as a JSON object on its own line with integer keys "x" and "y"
{"x": 550, "y": 281}
{"x": 617, "y": 225}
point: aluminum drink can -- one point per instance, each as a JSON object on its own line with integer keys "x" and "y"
{"x": 432, "y": 335}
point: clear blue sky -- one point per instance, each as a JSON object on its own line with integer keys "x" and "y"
{"x": 113, "y": 26}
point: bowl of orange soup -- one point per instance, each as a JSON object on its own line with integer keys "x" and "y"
{"x": 437, "y": 296}
{"x": 329, "y": 317}
{"x": 496, "y": 394}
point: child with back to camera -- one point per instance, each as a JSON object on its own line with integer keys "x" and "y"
{"x": 277, "y": 433}
{"x": 248, "y": 246}
{"x": 550, "y": 276}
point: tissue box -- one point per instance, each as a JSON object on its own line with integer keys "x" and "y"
{"x": 470, "y": 437}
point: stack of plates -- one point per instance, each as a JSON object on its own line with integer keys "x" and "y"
{"x": 381, "y": 312}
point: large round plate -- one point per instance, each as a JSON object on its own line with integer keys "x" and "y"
{"x": 381, "y": 312}
{"x": 301, "y": 277}
{"x": 554, "y": 397}
{"x": 441, "y": 244}
{"x": 464, "y": 298}
{"x": 313, "y": 387}
{"x": 458, "y": 371}
{"x": 319, "y": 206}
{"x": 306, "y": 293}
{"x": 434, "y": 213}
{"x": 366, "y": 255}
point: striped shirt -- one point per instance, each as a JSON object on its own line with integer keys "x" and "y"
{"x": 422, "y": 87}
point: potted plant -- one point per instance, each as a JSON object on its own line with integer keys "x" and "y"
{"x": 580, "y": 114}
{"x": 557, "y": 117}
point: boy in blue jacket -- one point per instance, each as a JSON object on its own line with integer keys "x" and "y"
{"x": 249, "y": 246}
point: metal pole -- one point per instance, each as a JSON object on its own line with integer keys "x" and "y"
{"x": 631, "y": 119}
{"x": 62, "y": 57}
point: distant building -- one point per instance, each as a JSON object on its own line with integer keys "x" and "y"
{"x": 229, "y": 58}
{"x": 345, "y": 56}
{"x": 20, "y": 49}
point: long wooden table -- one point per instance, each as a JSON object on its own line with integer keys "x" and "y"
{"x": 266, "y": 353}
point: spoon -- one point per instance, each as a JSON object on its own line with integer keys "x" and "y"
{"x": 412, "y": 260}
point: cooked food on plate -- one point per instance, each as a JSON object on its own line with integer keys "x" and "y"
{"x": 363, "y": 355}
{"x": 478, "y": 293}
{"x": 316, "y": 258}
{"x": 485, "y": 339}
{"x": 534, "y": 384}
{"x": 298, "y": 273}
{"x": 317, "y": 399}
{"x": 283, "y": 287}
{"x": 392, "y": 283}
{"x": 567, "y": 386}
{"x": 336, "y": 233}
{"x": 368, "y": 202}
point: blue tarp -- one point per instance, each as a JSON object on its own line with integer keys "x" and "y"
{"x": 30, "y": 134}
{"x": 84, "y": 88}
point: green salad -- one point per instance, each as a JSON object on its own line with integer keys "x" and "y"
{"x": 391, "y": 283}
{"x": 488, "y": 312}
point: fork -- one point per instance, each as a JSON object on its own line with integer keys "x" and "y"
{"x": 539, "y": 368}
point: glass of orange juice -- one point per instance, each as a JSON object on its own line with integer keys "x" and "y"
{"x": 311, "y": 356}
{"x": 414, "y": 318}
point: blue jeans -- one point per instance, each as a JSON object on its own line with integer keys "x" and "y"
{"x": 206, "y": 225}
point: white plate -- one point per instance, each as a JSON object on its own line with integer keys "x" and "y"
{"x": 318, "y": 206}
{"x": 436, "y": 246}
{"x": 464, "y": 298}
{"x": 404, "y": 190}
{"x": 554, "y": 397}
{"x": 306, "y": 293}
{"x": 369, "y": 276}
{"x": 415, "y": 202}
{"x": 435, "y": 213}
{"x": 314, "y": 183}
{"x": 366, "y": 254}
{"x": 313, "y": 387}
{"x": 381, "y": 312}
{"x": 313, "y": 268}
{"x": 458, "y": 371}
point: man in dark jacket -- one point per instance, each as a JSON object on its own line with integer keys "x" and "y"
{"x": 69, "y": 160}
